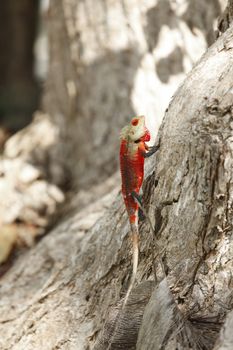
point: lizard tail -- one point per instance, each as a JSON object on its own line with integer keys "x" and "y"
{"x": 135, "y": 239}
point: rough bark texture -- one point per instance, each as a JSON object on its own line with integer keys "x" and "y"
{"x": 58, "y": 295}
{"x": 226, "y": 18}
{"x": 110, "y": 60}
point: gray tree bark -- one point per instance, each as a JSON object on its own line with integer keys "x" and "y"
{"x": 60, "y": 294}
{"x": 113, "y": 59}
{"x": 109, "y": 60}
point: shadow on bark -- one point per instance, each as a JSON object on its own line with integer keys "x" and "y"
{"x": 108, "y": 82}
{"x": 198, "y": 16}
{"x": 170, "y": 65}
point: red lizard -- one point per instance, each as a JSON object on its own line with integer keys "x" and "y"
{"x": 133, "y": 151}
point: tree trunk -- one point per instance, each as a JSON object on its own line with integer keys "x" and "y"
{"x": 113, "y": 59}
{"x": 58, "y": 295}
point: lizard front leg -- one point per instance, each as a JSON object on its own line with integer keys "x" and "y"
{"x": 151, "y": 150}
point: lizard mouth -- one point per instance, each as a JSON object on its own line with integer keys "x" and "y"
{"x": 140, "y": 139}
{"x": 137, "y": 141}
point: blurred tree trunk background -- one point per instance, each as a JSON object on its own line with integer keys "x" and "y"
{"x": 108, "y": 62}
{"x": 111, "y": 60}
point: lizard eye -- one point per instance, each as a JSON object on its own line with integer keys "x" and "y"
{"x": 134, "y": 122}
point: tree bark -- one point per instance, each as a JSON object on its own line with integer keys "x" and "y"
{"x": 58, "y": 295}
{"x": 113, "y": 59}
{"x": 127, "y": 60}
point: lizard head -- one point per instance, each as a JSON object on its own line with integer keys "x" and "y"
{"x": 136, "y": 131}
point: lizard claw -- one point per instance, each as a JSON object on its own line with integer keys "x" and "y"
{"x": 151, "y": 151}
